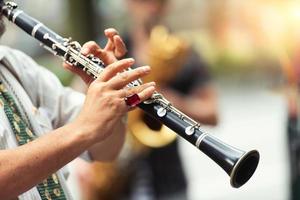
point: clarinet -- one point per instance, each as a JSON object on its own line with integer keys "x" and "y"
{"x": 238, "y": 164}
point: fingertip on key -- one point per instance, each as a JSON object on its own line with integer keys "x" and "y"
{"x": 84, "y": 51}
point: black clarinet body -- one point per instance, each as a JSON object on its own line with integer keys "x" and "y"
{"x": 238, "y": 164}
{"x": 31, "y": 26}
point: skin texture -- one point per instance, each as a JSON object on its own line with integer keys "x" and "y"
{"x": 98, "y": 128}
{"x": 201, "y": 102}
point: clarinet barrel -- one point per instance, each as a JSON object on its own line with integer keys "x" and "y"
{"x": 239, "y": 165}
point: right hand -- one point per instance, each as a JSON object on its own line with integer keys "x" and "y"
{"x": 114, "y": 49}
{"x": 104, "y": 106}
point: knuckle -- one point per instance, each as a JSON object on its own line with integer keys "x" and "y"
{"x": 120, "y": 53}
{"x": 87, "y": 44}
{"x": 141, "y": 88}
{"x": 113, "y": 67}
{"x": 124, "y": 92}
{"x": 123, "y": 62}
{"x": 107, "y": 98}
{"x": 124, "y": 75}
{"x": 139, "y": 72}
{"x": 98, "y": 87}
{"x": 109, "y": 68}
{"x": 130, "y": 91}
{"x": 91, "y": 44}
{"x": 113, "y": 102}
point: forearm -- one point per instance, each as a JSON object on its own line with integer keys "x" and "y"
{"x": 109, "y": 149}
{"x": 26, "y": 166}
{"x": 204, "y": 112}
{"x": 201, "y": 104}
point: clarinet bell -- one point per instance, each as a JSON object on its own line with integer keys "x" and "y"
{"x": 244, "y": 168}
{"x": 238, "y": 164}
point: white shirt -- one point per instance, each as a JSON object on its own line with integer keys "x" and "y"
{"x": 40, "y": 96}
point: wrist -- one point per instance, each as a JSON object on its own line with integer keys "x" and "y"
{"x": 81, "y": 133}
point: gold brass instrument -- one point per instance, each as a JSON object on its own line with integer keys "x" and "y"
{"x": 166, "y": 56}
{"x": 239, "y": 165}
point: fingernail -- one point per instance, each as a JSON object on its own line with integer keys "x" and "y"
{"x": 146, "y": 69}
{"x": 130, "y": 60}
{"x": 151, "y": 83}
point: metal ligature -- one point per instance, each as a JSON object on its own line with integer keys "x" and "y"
{"x": 239, "y": 165}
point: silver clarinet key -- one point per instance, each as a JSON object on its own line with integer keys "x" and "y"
{"x": 239, "y": 165}
{"x": 161, "y": 112}
{"x": 190, "y": 130}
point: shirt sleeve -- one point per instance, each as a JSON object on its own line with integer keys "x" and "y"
{"x": 61, "y": 104}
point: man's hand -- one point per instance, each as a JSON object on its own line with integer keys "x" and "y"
{"x": 104, "y": 105}
{"x": 99, "y": 118}
{"x": 114, "y": 49}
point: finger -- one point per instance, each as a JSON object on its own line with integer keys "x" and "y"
{"x": 115, "y": 43}
{"x": 124, "y": 78}
{"x": 110, "y": 45}
{"x": 126, "y": 92}
{"x": 110, "y": 33}
{"x": 90, "y": 47}
{"x": 115, "y": 68}
{"x": 76, "y": 70}
{"x": 143, "y": 96}
{"x": 147, "y": 93}
{"x": 120, "y": 49}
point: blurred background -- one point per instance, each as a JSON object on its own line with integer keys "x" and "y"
{"x": 249, "y": 56}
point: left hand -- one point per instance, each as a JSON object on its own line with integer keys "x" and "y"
{"x": 114, "y": 50}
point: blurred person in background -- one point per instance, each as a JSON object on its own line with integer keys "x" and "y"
{"x": 45, "y": 125}
{"x": 291, "y": 70}
{"x": 183, "y": 78}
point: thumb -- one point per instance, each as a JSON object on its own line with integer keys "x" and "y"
{"x": 83, "y": 75}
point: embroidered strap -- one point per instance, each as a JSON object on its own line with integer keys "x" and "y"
{"x": 50, "y": 188}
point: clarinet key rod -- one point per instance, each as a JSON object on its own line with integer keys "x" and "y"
{"x": 239, "y": 165}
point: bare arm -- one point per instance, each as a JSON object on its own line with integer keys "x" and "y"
{"x": 114, "y": 49}
{"x": 103, "y": 109}
{"x": 111, "y": 146}
{"x": 23, "y": 167}
{"x": 200, "y": 104}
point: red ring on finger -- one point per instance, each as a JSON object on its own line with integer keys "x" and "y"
{"x": 132, "y": 100}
